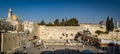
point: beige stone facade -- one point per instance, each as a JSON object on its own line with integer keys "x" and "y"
{"x": 110, "y": 36}
{"x": 58, "y": 32}
{"x": 28, "y": 26}
{"x": 15, "y": 38}
{"x": 66, "y": 32}
{"x": 12, "y": 41}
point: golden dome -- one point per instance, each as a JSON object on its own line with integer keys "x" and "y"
{"x": 15, "y": 17}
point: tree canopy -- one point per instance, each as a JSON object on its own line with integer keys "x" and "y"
{"x": 63, "y": 22}
{"x": 50, "y": 24}
{"x": 72, "y": 22}
{"x": 42, "y": 23}
{"x": 56, "y": 22}
{"x": 109, "y": 24}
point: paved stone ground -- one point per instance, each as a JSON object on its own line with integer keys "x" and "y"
{"x": 38, "y": 50}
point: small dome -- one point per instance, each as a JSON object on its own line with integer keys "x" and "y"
{"x": 15, "y": 17}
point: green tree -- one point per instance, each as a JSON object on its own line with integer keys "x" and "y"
{"x": 42, "y": 23}
{"x": 111, "y": 24}
{"x": 56, "y": 22}
{"x": 107, "y": 23}
{"x": 75, "y": 21}
{"x": 50, "y": 24}
{"x": 63, "y": 22}
{"x": 72, "y": 22}
{"x": 66, "y": 21}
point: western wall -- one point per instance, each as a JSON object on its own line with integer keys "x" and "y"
{"x": 66, "y": 32}
{"x": 57, "y": 35}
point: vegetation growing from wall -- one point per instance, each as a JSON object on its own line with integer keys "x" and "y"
{"x": 101, "y": 32}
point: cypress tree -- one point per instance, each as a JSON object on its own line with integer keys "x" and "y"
{"x": 56, "y": 22}
{"x": 42, "y": 23}
{"x": 63, "y": 22}
{"x": 111, "y": 24}
{"x": 107, "y": 23}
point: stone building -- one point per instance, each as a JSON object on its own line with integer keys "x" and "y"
{"x": 103, "y": 40}
{"x": 12, "y": 23}
{"x": 16, "y": 37}
{"x": 13, "y": 19}
{"x": 28, "y": 26}
{"x": 5, "y": 25}
{"x": 11, "y": 41}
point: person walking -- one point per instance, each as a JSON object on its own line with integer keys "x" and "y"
{"x": 25, "y": 52}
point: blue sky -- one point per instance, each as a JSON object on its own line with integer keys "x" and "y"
{"x": 86, "y": 11}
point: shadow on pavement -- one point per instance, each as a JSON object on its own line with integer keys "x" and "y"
{"x": 70, "y": 51}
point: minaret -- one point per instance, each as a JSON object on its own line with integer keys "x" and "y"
{"x": 117, "y": 24}
{"x": 10, "y": 13}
